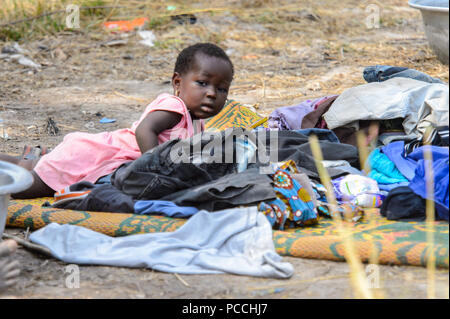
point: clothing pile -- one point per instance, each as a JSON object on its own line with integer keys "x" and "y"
{"x": 410, "y": 112}
{"x": 204, "y": 177}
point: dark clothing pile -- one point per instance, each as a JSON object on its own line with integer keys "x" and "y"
{"x": 192, "y": 181}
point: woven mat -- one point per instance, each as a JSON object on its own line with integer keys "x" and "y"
{"x": 400, "y": 243}
{"x": 233, "y": 114}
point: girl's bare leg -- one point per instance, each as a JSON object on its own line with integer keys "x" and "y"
{"x": 38, "y": 188}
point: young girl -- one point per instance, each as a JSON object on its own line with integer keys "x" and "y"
{"x": 201, "y": 80}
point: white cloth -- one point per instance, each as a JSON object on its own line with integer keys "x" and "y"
{"x": 237, "y": 241}
{"x": 419, "y": 103}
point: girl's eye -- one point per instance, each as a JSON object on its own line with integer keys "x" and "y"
{"x": 202, "y": 83}
{"x": 223, "y": 90}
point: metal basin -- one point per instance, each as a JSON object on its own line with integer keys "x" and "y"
{"x": 435, "y": 19}
{"x": 13, "y": 179}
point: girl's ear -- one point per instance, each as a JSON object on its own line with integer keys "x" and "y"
{"x": 176, "y": 82}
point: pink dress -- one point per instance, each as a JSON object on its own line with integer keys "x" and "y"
{"x": 87, "y": 157}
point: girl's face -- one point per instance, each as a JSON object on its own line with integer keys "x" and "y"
{"x": 204, "y": 88}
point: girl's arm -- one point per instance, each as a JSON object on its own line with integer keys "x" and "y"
{"x": 152, "y": 125}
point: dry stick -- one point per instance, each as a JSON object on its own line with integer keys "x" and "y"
{"x": 238, "y": 10}
{"x": 357, "y": 276}
{"x": 182, "y": 280}
{"x": 193, "y": 11}
{"x": 429, "y": 208}
{"x": 111, "y": 13}
{"x": 365, "y": 166}
{"x": 296, "y": 282}
{"x": 185, "y": 12}
{"x": 38, "y": 248}
{"x": 131, "y": 97}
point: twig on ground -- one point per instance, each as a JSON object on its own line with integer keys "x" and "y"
{"x": 34, "y": 247}
{"x": 27, "y": 233}
{"x": 182, "y": 280}
{"x": 297, "y": 282}
{"x": 131, "y": 97}
{"x": 52, "y": 129}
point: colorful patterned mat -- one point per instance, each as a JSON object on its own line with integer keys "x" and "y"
{"x": 399, "y": 243}
{"x": 233, "y": 114}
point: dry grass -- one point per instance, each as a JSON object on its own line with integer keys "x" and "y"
{"x": 21, "y": 19}
{"x": 280, "y": 43}
{"x": 26, "y": 19}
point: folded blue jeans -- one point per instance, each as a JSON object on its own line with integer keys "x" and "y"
{"x": 380, "y": 73}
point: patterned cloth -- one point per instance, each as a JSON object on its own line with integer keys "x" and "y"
{"x": 293, "y": 206}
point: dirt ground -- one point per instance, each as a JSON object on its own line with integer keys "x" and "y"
{"x": 284, "y": 53}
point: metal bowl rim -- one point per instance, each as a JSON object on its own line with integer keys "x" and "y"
{"x": 426, "y": 8}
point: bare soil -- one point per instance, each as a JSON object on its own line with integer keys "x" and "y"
{"x": 283, "y": 53}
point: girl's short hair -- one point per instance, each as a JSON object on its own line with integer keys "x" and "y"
{"x": 186, "y": 58}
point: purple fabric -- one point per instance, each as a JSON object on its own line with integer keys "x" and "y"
{"x": 290, "y": 117}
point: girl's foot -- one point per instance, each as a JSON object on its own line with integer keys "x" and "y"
{"x": 31, "y": 155}
{"x": 9, "y": 269}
